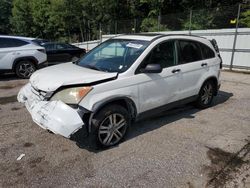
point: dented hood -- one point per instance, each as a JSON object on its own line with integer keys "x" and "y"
{"x": 51, "y": 78}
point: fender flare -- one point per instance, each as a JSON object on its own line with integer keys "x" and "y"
{"x": 130, "y": 105}
{"x": 33, "y": 59}
{"x": 214, "y": 79}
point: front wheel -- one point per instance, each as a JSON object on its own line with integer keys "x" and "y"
{"x": 24, "y": 69}
{"x": 111, "y": 125}
{"x": 206, "y": 95}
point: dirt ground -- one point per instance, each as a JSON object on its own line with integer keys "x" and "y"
{"x": 184, "y": 147}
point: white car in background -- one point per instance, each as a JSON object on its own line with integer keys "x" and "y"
{"x": 21, "y": 56}
{"x": 120, "y": 81}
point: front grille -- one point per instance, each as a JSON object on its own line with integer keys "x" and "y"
{"x": 40, "y": 95}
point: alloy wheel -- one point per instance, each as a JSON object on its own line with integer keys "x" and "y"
{"x": 26, "y": 69}
{"x": 207, "y": 94}
{"x": 112, "y": 129}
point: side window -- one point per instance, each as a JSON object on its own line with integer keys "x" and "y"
{"x": 11, "y": 42}
{"x": 61, "y": 46}
{"x": 163, "y": 54}
{"x": 207, "y": 52}
{"x": 71, "y": 46}
{"x": 189, "y": 51}
{"x": 17, "y": 42}
{"x": 49, "y": 46}
{"x": 2, "y": 43}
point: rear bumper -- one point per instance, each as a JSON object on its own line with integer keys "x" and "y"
{"x": 55, "y": 116}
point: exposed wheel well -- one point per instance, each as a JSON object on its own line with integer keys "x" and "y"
{"x": 31, "y": 59}
{"x": 215, "y": 83}
{"x": 127, "y": 103}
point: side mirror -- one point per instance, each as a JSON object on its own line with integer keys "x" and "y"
{"x": 152, "y": 68}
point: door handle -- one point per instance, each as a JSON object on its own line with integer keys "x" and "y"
{"x": 176, "y": 70}
{"x": 204, "y": 64}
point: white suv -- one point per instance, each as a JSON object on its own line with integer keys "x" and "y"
{"x": 21, "y": 56}
{"x": 122, "y": 80}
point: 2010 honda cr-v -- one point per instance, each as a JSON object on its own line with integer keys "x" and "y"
{"x": 123, "y": 79}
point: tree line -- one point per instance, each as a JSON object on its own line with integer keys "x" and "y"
{"x": 81, "y": 20}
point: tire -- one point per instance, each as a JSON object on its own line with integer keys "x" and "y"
{"x": 82, "y": 54}
{"x": 74, "y": 59}
{"x": 106, "y": 133}
{"x": 24, "y": 69}
{"x": 206, "y": 95}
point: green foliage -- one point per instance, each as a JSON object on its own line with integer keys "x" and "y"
{"x": 80, "y": 20}
{"x": 5, "y": 15}
{"x": 245, "y": 19}
{"x": 201, "y": 19}
{"x": 40, "y": 10}
{"x": 56, "y": 20}
{"x": 22, "y": 21}
{"x": 151, "y": 25}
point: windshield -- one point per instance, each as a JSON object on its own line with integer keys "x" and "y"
{"x": 114, "y": 55}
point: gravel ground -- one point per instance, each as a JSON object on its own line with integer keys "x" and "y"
{"x": 184, "y": 147}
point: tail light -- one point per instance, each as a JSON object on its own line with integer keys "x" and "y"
{"x": 215, "y": 45}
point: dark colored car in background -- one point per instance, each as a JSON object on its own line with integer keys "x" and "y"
{"x": 62, "y": 52}
{"x": 39, "y": 41}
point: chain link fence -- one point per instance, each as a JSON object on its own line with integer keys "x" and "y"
{"x": 214, "y": 18}
{"x": 233, "y": 35}
{"x": 202, "y": 19}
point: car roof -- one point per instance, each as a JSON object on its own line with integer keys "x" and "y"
{"x": 17, "y": 37}
{"x": 151, "y": 36}
{"x": 140, "y": 36}
{"x": 55, "y": 43}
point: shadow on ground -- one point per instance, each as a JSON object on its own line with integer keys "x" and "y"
{"x": 8, "y": 77}
{"x": 153, "y": 123}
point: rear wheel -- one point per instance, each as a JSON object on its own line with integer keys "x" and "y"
{"x": 206, "y": 95}
{"x": 24, "y": 69}
{"x": 74, "y": 59}
{"x": 111, "y": 125}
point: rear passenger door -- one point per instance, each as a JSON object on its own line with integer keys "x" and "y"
{"x": 192, "y": 65}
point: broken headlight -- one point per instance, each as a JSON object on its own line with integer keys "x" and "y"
{"x": 71, "y": 95}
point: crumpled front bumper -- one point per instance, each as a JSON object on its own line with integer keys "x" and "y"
{"x": 55, "y": 116}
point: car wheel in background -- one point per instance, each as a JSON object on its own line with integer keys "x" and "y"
{"x": 82, "y": 54}
{"x": 110, "y": 124}
{"x": 206, "y": 95}
{"x": 74, "y": 59}
{"x": 24, "y": 68}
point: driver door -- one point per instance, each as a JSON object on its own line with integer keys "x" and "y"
{"x": 159, "y": 89}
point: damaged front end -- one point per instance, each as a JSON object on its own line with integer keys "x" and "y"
{"x": 55, "y": 116}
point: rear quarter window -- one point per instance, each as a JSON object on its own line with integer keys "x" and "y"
{"x": 61, "y": 46}
{"x": 10, "y": 42}
{"x": 49, "y": 46}
{"x": 207, "y": 52}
